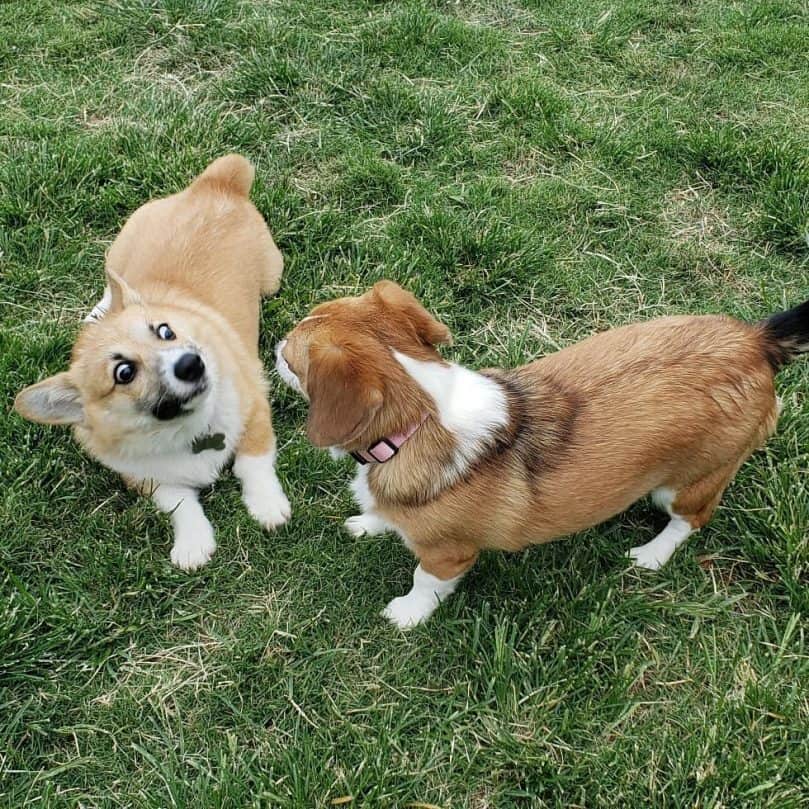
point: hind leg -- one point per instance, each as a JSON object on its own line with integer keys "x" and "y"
{"x": 653, "y": 555}
{"x": 689, "y": 508}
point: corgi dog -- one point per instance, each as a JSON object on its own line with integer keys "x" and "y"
{"x": 165, "y": 385}
{"x": 456, "y": 461}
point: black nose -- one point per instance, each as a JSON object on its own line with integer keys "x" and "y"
{"x": 189, "y": 368}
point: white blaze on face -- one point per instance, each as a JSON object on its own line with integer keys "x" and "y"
{"x": 284, "y": 371}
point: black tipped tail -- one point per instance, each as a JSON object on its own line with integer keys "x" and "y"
{"x": 786, "y": 335}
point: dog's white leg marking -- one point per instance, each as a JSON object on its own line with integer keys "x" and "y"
{"x": 653, "y": 555}
{"x": 194, "y": 541}
{"x": 365, "y": 525}
{"x": 101, "y": 308}
{"x": 420, "y": 603}
{"x": 368, "y": 522}
{"x": 663, "y": 498}
{"x": 261, "y": 489}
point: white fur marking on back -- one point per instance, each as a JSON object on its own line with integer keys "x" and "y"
{"x": 470, "y": 405}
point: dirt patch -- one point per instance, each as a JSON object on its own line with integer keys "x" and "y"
{"x": 694, "y": 215}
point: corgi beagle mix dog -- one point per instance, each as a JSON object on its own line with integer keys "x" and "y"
{"x": 165, "y": 384}
{"x": 456, "y": 461}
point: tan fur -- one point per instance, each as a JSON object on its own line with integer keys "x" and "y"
{"x": 208, "y": 244}
{"x": 678, "y": 402}
{"x": 198, "y": 260}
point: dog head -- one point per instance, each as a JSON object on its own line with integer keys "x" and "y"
{"x": 142, "y": 367}
{"x": 342, "y": 359}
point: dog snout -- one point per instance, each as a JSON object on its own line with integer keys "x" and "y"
{"x": 189, "y": 368}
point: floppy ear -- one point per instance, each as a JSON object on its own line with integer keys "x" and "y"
{"x": 429, "y": 330}
{"x": 343, "y": 396}
{"x": 121, "y": 294}
{"x": 55, "y": 400}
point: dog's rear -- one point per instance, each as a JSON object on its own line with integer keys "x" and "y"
{"x": 198, "y": 239}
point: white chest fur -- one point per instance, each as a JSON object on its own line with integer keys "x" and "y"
{"x": 164, "y": 453}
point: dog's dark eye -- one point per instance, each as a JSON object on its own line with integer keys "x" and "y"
{"x": 124, "y": 372}
{"x": 164, "y": 332}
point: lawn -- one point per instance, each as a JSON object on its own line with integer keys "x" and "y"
{"x": 536, "y": 171}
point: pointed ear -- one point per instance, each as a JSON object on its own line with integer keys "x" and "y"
{"x": 121, "y": 294}
{"x": 344, "y": 396}
{"x": 429, "y": 330}
{"x": 55, "y": 400}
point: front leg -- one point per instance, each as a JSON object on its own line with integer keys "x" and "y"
{"x": 255, "y": 468}
{"x": 366, "y": 524}
{"x": 434, "y": 580}
{"x": 194, "y": 541}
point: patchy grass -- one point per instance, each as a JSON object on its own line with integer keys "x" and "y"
{"x": 535, "y": 171}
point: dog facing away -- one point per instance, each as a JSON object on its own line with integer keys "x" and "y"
{"x": 165, "y": 384}
{"x": 457, "y": 461}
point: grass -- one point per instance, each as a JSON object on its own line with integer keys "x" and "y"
{"x": 536, "y": 172}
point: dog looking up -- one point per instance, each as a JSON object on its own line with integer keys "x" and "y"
{"x": 456, "y": 460}
{"x": 165, "y": 384}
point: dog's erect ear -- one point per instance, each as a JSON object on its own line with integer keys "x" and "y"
{"x": 429, "y": 330}
{"x": 55, "y": 400}
{"x": 121, "y": 294}
{"x": 344, "y": 395}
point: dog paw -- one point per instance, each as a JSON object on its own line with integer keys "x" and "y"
{"x": 646, "y": 557}
{"x": 364, "y": 524}
{"x": 355, "y": 526}
{"x": 271, "y": 510}
{"x": 407, "y": 611}
{"x": 191, "y": 555}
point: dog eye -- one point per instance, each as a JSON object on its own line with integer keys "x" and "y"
{"x": 124, "y": 372}
{"x": 164, "y": 332}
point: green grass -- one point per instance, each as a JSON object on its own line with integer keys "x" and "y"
{"x": 535, "y": 171}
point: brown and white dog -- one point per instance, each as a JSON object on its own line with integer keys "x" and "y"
{"x": 456, "y": 460}
{"x": 165, "y": 385}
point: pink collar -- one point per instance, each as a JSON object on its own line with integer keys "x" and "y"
{"x": 388, "y": 446}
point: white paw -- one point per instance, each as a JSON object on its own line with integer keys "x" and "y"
{"x": 362, "y": 524}
{"x": 646, "y": 557}
{"x": 191, "y": 553}
{"x": 271, "y": 509}
{"x": 408, "y": 611}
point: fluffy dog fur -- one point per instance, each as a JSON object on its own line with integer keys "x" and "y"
{"x": 507, "y": 458}
{"x": 165, "y": 385}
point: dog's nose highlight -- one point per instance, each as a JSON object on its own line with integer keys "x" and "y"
{"x": 189, "y": 368}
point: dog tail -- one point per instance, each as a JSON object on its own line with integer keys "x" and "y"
{"x": 232, "y": 173}
{"x": 786, "y": 335}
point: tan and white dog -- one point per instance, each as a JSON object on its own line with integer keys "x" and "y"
{"x": 457, "y": 461}
{"x": 165, "y": 384}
